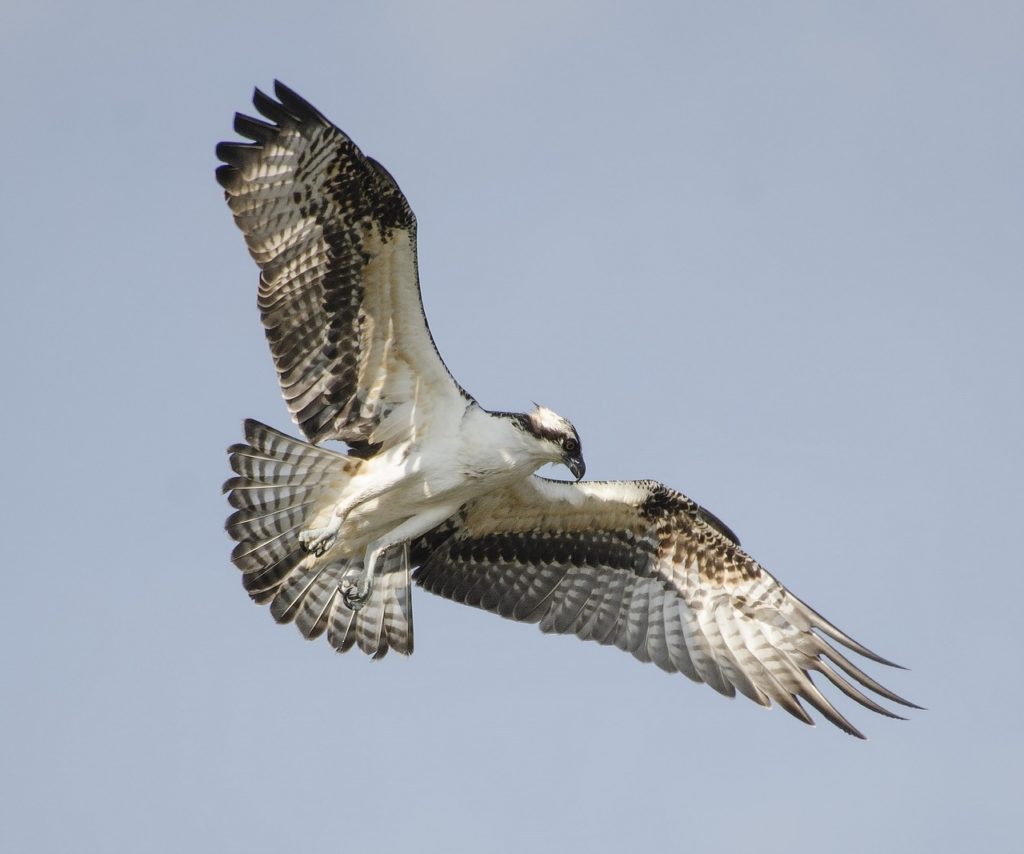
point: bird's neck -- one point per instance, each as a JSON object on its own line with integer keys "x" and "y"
{"x": 494, "y": 444}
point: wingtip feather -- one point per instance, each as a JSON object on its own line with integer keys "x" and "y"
{"x": 254, "y": 129}
{"x": 271, "y": 109}
{"x": 227, "y": 176}
{"x": 837, "y": 634}
{"x": 297, "y": 105}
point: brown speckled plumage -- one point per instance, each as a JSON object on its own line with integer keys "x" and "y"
{"x": 641, "y": 567}
{"x": 335, "y": 241}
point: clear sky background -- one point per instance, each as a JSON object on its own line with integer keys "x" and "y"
{"x": 772, "y": 254}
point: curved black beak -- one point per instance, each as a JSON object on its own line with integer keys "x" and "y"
{"x": 576, "y": 466}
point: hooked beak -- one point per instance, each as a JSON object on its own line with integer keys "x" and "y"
{"x": 576, "y": 466}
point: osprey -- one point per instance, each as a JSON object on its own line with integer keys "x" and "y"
{"x": 430, "y": 479}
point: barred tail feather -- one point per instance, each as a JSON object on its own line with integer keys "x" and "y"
{"x": 281, "y": 485}
{"x": 311, "y": 598}
{"x": 385, "y": 621}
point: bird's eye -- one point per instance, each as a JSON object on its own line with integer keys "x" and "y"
{"x": 571, "y": 446}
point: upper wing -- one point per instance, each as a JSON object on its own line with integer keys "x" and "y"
{"x": 339, "y": 291}
{"x": 636, "y": 564}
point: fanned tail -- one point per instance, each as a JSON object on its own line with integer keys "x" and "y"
{"x": 282, "y": 485}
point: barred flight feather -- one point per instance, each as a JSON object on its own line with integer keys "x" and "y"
{"x": 641, "y": 567}
{"x": 335, "y": 240}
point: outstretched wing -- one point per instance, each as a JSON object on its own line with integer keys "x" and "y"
{"x": 637, "y": 565}
{"x": 339, "y": 293}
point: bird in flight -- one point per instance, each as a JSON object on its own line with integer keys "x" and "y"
{"x": 430, "y": 480}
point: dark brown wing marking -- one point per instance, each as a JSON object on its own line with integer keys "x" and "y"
{"x": 638, "y": 565}
{"x": 339, "y": 293}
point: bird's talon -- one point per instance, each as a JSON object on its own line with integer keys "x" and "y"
{"x": 355, "y": 593}
{"x": 318, "y": 540}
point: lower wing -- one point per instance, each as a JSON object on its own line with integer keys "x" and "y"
{"x": 637, "y": 565}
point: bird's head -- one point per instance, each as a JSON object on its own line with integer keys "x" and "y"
{"x": 555, "y": 439}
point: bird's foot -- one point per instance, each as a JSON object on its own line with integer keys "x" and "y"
{"x": 320, "y": 540}
{"x": 356, "y": 588}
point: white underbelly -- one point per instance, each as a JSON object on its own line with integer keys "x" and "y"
{"x": 413, "y": 494}
{"x": 406, "y": 483}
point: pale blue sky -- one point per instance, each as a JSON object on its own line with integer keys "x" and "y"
{"x": 771, "y": 254}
